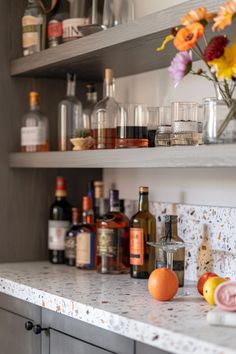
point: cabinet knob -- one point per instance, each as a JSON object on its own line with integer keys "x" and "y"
{"x": 29, "y": 325}
{"x": 37, "y": 329}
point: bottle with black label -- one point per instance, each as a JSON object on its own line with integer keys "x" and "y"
{"x": 142, "y": 230}
{"x": 113, "y": 239}
{"x": 59, "y": 223}
{"x": 171, "y": 234}
{"x": 70, "y": 241}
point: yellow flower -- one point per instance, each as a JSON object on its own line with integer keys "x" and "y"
{"x": 225, "y": 15}
{"x": 198, "y": 15}
{"x": 225, "y": 66}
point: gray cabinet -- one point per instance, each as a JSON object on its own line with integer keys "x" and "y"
{"x": 14, "y": 339}
{"x": 146, "y": 349}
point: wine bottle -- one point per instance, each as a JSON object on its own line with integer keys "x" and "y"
{"x": 70, "y": 241}
{"x": 142, "y": 230}
{"x": 59, "y": 223}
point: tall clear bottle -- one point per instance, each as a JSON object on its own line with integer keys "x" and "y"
{"x": 142, "y": 230}
{"x": 105, "y": 114}
{"x": 91, "y": 100}
{"x": 171, "y": 234}
{"x": 113, "y": 239}
{"x": 34, "y": 130}
{"x": 69, "y": 115}
{"x": 33, "y": 28}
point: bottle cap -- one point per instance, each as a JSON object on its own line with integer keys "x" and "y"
{"x": 109, "y": 76}
{"x": 33, "y": 98}
{"x": 143, "y": 189}
{"x": 86, "y": 203}
{"x": 60, "y": 187}
{"x": 98, "y": 189}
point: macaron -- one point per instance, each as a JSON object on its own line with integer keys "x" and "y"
{"x": 225, "y": 295}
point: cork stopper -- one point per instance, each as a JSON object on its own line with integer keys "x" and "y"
{"x": 60, "y": 187}
{"x": 109, "y": 76}
{"x": 143, "y": 189}
{"x": 33, "y": 98}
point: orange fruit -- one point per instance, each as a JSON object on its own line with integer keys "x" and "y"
{"x": 163, "y": 284}
{"x": 203, "y": 278}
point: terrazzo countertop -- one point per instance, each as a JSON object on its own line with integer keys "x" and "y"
{"x": 121, "y": 305}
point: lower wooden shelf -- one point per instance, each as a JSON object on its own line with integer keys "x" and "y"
{"x": 172, "y": 157}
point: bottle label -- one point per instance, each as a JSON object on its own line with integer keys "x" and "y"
{"x": 136, "y": 246}
{"x": 54, "y": 29}
{"x": 71, "y": 28}
{"x": 31, "y": 32}
{"x": 70, "y": 247}
{"x": 107, "y": 242}
{"x": 33, "y": 136}
{"x": 56, "y": 234}
{"x": 83, "y": 249}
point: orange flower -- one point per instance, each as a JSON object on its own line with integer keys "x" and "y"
{"x": 198, "y": 15}
{"x": 187, "y": 37}
{"x": 225, "y": 15}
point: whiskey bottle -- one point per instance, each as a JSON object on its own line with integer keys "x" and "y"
{"x": 113, "y": 239}
{"x": 171, "y": 234}
{"x": 99, "y": 201}
{"x": 70, "y": 240}
{"x": 142, "y": 230}
{"x": 105, "y": 115}
{"x": 34, "y": 130}
{"x": 86, "y": 238}
{"x": 59, "y": 223}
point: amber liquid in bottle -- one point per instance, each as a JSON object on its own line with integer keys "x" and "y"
{"x": 142, "y": 230}
{"x": 171, "y": 234}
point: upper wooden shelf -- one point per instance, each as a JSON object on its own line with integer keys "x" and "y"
{"x": 160, "y": 157}
{"x": 128, "y": 49}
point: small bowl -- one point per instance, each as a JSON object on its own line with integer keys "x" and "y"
{"x": 82, "y": 143}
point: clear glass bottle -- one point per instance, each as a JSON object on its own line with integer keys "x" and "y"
{"x": 113, "y": 239}
{"x": 34, "y": 130}
{"x": 105, "y": 114}
{"x": 86, "y": 238}
{"x": 171, "y": 234}
{"x": 91, "y": 100}
{"x": 69, "y": 115}
{"x": 33, "y": 28}
{"x": 142, "y": 230}
{"x": 117, "y": 12}
{"x": 70, "y": 240}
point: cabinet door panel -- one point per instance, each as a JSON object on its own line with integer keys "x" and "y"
{"x": 61, "y": 344}
{"x": 14, "y": 339}
{"x": 146, "y": 349}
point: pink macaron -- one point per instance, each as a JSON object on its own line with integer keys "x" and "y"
{"x": 225, "y": 296}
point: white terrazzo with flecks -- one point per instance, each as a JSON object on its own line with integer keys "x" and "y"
{"x": 120, "y": 304}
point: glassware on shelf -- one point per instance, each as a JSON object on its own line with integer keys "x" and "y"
{"x": 91, "y": 100}
{"x": 95, "y": 20}
{"x": 132, "y": 131}
{"x": 117, "y": 12}
{"x": 34, "y": 130}
{"x": 164, "y": 129}
{"x": 105, "y": 115}
{"x": 33, "y": 28}
{"x": 152, "y": 124}
{"x": 184, "y": 123}
{"x": 54, "y": 28}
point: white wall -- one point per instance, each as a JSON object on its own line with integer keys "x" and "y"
{"x": 193, "y": 186}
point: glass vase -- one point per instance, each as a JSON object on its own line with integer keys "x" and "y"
{"x": 219, "y": 121}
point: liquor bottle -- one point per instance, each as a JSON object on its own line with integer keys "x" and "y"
{"x": 142, "y": 230}
{"x": 91, "y": 192}
{"x": 86, "y": 238}
{"x": 34, "y": 131}
{"x": 99, "y": 201}
{"x": 54, "y": 29}
{"x": 33, "y": 28}
{"x": 113, "y": 239}
{"x": 59, "y": 223}
{"x": 171, "y": 234}
{"x": 105, "y": 115}
{"x": 91, "y": 100}
{"x": 70, "y": 240}
{"x": 69, "y": 115}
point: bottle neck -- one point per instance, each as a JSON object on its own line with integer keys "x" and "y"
{"x": 71, "y": 86}
{"x": 109, "y": 89}
{"x": 143, "y": 202}
{"x": 92, "y": 97}
{"x": 34, "y": 106}
{"x": 171, "y": 232}
{"x": 60, "y": 194}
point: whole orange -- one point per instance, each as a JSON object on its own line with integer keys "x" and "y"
{"x": 163, "y": 284}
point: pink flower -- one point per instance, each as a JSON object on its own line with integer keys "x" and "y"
{"x": 180, "y": 66}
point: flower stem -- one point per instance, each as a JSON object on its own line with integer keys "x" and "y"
{"x": 228, "y": 118}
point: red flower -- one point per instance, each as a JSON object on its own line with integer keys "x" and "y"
{"x": 215, "y": 48}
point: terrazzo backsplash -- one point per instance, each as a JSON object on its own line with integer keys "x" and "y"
{"x": 209, "y": 233}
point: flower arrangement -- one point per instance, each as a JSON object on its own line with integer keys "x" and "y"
{"x": 218, "y": 53}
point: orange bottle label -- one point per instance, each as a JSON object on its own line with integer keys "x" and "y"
{"x": 136, "y": 246}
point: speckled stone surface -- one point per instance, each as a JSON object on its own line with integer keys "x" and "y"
{"x": 210, "y": 234}
{"x": 120, "y": 304}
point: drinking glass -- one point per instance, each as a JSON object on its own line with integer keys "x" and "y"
{"x": 153, "y": 121}
{"x": 164, "y": 129}
{"x": 170, "y": 247}
{"x": 116, "y": 12}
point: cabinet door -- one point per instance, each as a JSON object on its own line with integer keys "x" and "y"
{"x": 61, "y": 344}
{"x": 147, "y": 349}
{"x": 14, "y": 339}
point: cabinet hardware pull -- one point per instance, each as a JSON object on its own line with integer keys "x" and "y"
{"x": 37, "y": 329}
{"x": 29, "y": 325}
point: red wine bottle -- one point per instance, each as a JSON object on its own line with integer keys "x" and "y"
{"x": 59, "y": 223}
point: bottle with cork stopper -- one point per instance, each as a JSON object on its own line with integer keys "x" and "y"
{"x": 105, "y": 115}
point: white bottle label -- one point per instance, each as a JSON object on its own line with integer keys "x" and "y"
{"x": 83, "y": 248}
{"x": 31, "y": 33}
{"x": 56, "y": 234}
{"x": 33, "y": 136}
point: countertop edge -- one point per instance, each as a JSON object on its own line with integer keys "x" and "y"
{"x": 157, "y": 337}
